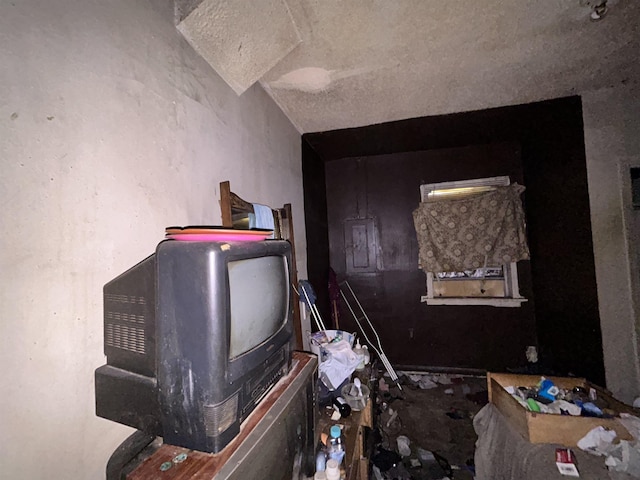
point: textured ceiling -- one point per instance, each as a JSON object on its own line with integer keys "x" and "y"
{"x": 241, "y": 49}
{"x": 362, "y": 62}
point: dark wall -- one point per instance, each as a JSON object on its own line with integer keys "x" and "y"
{"x": 316, "y": 226}
{"x": 385, "y": 189}
{"x": 565, "y": 310}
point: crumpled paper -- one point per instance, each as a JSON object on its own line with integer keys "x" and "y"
{"x": 599, "y": 441}
{"x": 423, "y": 381}
{"x": 403, "y": 445}
{"x": 340, "y": 363}
{"x": 622, "y": 456}
{"x": 625, "y": 457}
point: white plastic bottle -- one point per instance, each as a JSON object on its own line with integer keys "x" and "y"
{"x": 360, "y": 353}
{"x": 333, "y": 470}
{"x": 335, "y": 446}
{"x": 367, "y": 354}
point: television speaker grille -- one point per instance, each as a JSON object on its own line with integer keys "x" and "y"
{"x": 124, "y": 326}
{"x": 221, "y": 416}
{"x": 125, "y": 337}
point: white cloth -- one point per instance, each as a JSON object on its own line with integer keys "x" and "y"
{"x": 262, "y": 217}
{"x": 340, "y": 363}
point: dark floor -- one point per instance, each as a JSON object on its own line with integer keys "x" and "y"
{"x": 435, "y": 413}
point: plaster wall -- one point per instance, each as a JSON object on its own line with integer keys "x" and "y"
{"x": 111, "y": 129}
{"x": 612, "y": 145}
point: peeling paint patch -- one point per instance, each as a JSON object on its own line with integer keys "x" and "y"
{"x": 308, "y": 79}
{"x": 314, "y": 79}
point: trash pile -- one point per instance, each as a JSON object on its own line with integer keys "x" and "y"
{"x": 336, "y": 355}
{"x": 389, "y": 464}
{"x": 394, "y": 454}
{"x": 420, "y": 425}
{"x": 546, "y": 397}
{"x": 619, "y": 455}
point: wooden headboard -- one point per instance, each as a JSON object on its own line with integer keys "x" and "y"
{"x": 235, "y": 211}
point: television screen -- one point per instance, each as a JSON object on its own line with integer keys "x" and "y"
{"x": 259, "y": 298}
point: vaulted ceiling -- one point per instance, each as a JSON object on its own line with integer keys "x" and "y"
{"x": 332, "y": 64}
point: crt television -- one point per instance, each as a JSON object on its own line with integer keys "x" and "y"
{"x": 195, "y": 336}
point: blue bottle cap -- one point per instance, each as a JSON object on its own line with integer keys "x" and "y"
{"x": 335, "y": 431}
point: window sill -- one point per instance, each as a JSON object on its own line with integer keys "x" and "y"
{"x": 491, "y": 302}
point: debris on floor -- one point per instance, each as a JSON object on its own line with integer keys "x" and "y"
{"x": 458, "y": 414}
{"x": 425, "y": 429}
{"x": 423, "y": 381}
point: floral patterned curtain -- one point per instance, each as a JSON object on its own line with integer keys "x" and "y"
{"x": 487, "y": 229}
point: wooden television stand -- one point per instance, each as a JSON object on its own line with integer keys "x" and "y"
{"x": 275, "y": 442}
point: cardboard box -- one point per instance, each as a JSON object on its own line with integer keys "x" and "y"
{"x": 550, "y": 428}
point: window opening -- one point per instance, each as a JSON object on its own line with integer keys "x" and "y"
{"x": 488, "y": 285}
